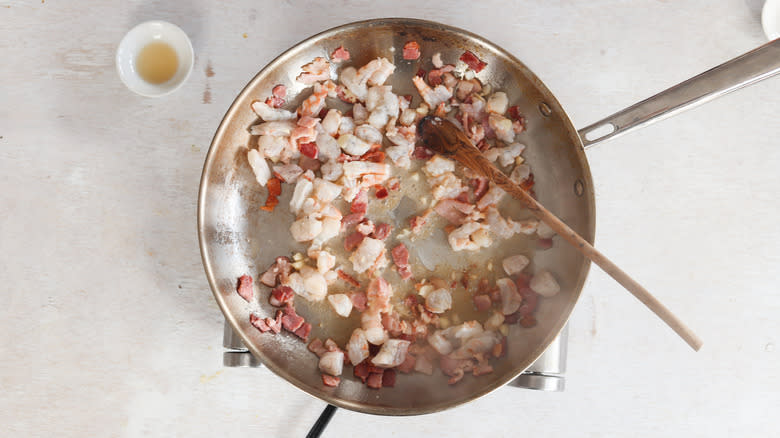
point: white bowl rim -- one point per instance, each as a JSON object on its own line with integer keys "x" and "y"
{"x": 163, "y": 90}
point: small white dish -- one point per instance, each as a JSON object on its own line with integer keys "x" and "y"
{"x": 138, "y": 38}
{"x": 770, "y": 19}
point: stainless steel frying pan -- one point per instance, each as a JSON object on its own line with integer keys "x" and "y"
{"x": 236, "y": 237}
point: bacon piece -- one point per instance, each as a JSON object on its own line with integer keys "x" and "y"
{"x": 340, "y": 54}
{"x": 274, "y": 190}
{"x": 499, "y": 349}
{"x": 512, "y": 319}
{"x": 374, "y": 380}
{"x": 394, "y": 183}
{"x": 527, "y": 321}
{"x": 482, "y": 302}
{"x": 274, "y": 102}
{"x": 544, "y": 243}
{"x": 388, "y": 378}
{"x": 359, "y": 300}
{"x": 400, "y": 256}
{"x": 306, "y": 163}
{"x": 259, "y": 323}
{"x": 360, "y": 203}
{"x": 309, "y": 149}
{"x": 281, "y": 295}
{"x": 381, "y": 193}
{"x": 472, "y": 61}
{"x": 348, "y": 278}
{"x": 514, "y": 113}
{"x": 411, "y": 51}
{"x": 244, "y": 287}
{"x": 530, "y": 301}
{"x": 351, "y": 219}
{"x": 392, "y": 323}
{"x": 420, "y": 72}
{"x": 361, "y": 370}
{"x": 331, "y": 381}
{"x": 353, "y": 240}
{"x": 528, "y": 183}
{"x": 279, "y": 270}
{"x": 375, "y": 156}
{"x": 434, "y": 76}
{"x": 453, "y": 210}
{"x": 275, "y": 323}
{"x": 316, "y": 346}
{"x": 411, "y": 302}
{"x": 480, "y": 186}
{"x": 408, "y": 364}
{"x": 303, "y": 331}
{"x": 291, "y": 321}
{"x": 422, "y": 153}
{"x": 382, "y": 230}
{"x": 279, "y": 91}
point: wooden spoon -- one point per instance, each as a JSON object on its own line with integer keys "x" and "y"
{"x": 445, "y": 138}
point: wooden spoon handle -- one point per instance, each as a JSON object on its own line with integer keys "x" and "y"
{"x": 473, "y": 158}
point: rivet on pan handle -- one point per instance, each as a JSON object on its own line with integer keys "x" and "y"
{"x": 756, "y": 65}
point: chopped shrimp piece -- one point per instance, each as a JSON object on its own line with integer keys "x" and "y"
{"x": 281, "y": 128}
{"x": 325, "y": 191}
{"x": 497, "y": 103}
{"x": 347, "y": 125}
{"x": 544, "y": 231}
{"x": 369, "y": 254}
{"x": 470, "y": 236}
{"x": 392, "y": 353}
{"x": 341, "y": 304}
{"x": 440, "y": 343}
{"x": 515, "y": 264}
{"x": 332, "y": 363}
{"x": 315, "y": 71}
{"x": 302, "y": 191}
{"x": 436, "y": 60}
{"x": 544, "y": 284}
{"x": 502, "y": 127}
{"x": 271, "y": 114}
{"x": 315, "y": 287}
{"x": 481, "y": 343}
{"x": 371, "y": 322}
{"x": 353, "y": 145}
{"x": 438, "y": 301}
{"x": 305, "y": 229}
{"x": 382, "y": 104}
{"x": 446, "y": 185}
{"x": 432, "y": 96}
{"x": 325, "y": 261}
{"x": 378, "y": 294}
{"x": 356, "y": 169}
{"x": 357, "y": 347}
{"x": 439, "y": 165}
{"x": 510, "y": 297}
{"x": 508, "y": 155}
{"x": 494, "y": 321}
{"x": 369, "y": 134}
{"x": 259, "y": 167}
{"x": 271, "y": 146}
{"x": 491, "y": 197}
{"x": 330, "y": 123}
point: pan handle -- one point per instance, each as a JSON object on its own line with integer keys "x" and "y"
{"x": 749, "y": 68}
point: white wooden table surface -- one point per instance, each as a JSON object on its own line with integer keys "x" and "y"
{"x": 108, "y": 325}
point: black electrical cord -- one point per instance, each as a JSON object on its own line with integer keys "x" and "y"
{"x": 322, "y": 422}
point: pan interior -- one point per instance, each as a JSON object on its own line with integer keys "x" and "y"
{"x": 237, "y": 238}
